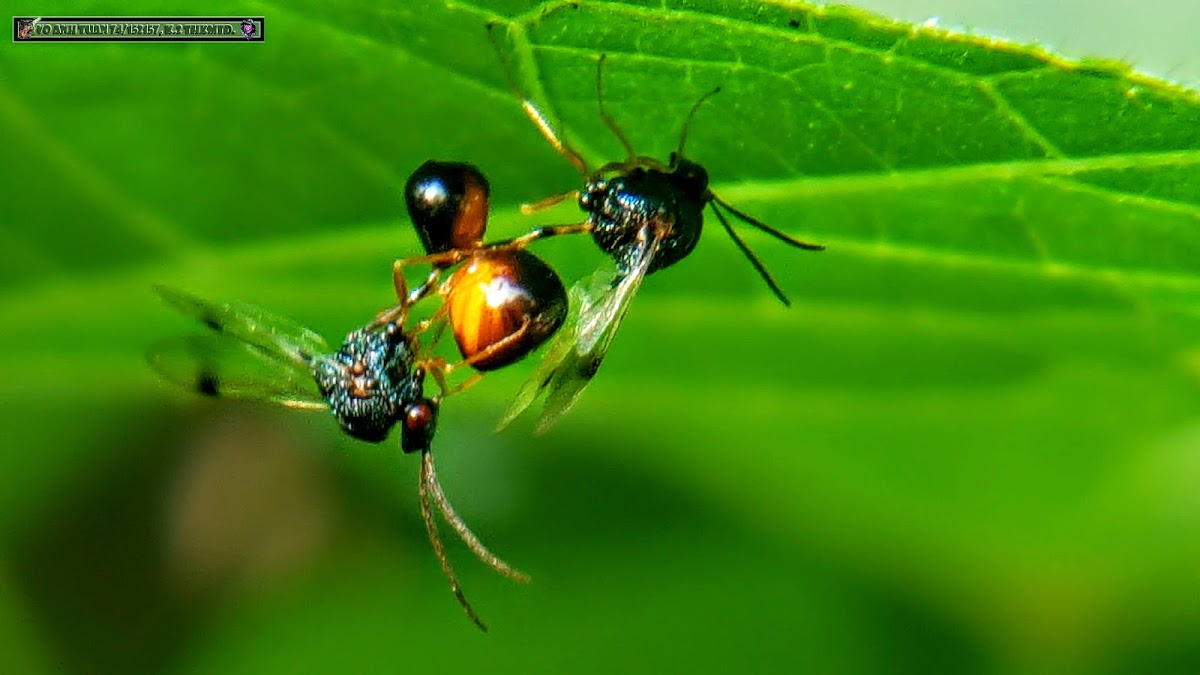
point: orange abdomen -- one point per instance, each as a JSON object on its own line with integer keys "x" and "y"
{"x": 503, "y": 304}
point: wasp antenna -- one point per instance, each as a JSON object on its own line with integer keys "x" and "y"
{"x": 762, "y": 271}
{"x": 608, "y": 119}
{"x": 758, "y": 224}
{"x": 465, "y": 533}
{"x": 428, "y": 481}
{"x": 687, "y": 121}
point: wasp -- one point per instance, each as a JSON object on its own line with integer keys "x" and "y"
{"x": 501, "y": 305}
{"x": 502, "y": 302}
{"x": 646, "y": 215}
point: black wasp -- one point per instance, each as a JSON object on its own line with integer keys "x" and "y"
{"x": 500, "y": 306}
{"x": 646, "y": 215}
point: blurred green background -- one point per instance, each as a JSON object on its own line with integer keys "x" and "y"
{"x": 931, "y": 463}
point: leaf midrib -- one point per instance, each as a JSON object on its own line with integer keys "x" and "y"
{"x": 108, "y": 364}
{"x": 292, "y": 250}
{"x": 812, "y": 186}
{"x": 154, "y": 228}
{"x": 367, "y": 240}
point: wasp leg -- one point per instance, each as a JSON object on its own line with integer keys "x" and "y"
{"x": 437, "y": 368}
{"x": 425, "y": 325}
{"x": 497, "y": 347}
{"x": 535, "y": 115}
{"x": 541, "y": 233}
{"x": 543, "y": 204}
{"x": 464, "y": 385}
{"x": 438, "y": 317}
{"x": 420, "y": 291}
{"x": 440, "y": 370}
{"x": 399, "y": 312}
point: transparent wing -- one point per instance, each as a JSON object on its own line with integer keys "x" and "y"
{"x": 218, "y": 365}
{"x": 252, "y": 353}
{"x": 604, "y": 307}
{"x": 251, "y": 325}
{"x": 576, "y": 355}
{"x": 556, "y": 353}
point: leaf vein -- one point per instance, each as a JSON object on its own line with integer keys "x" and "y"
{"x": 138, "y": 218}
{"x": 816, "y": 103}
{"x": 1027, "y": 129}
{"x": 360, "y": 155}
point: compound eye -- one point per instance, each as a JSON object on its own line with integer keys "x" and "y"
{"x": 420, "y": 421}
{"x": 418, "y": 417}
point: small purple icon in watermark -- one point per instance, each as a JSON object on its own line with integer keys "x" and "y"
{"x": 25, "y": 28}
{"x": 248, "y": 28}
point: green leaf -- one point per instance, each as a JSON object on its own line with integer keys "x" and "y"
{"x": 984, "y": 398}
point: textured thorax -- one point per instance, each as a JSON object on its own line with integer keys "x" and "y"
{"x": 368, "y": 382}
{"x": 643, "y": 200}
